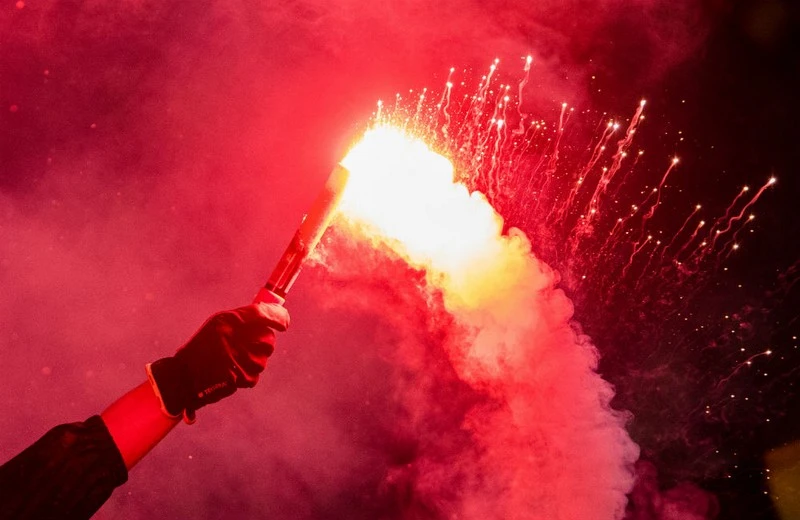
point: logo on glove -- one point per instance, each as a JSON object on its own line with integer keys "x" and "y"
{"x": 212, "y": 388}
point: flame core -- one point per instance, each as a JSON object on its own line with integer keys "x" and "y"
{"x": 403, "y": 193}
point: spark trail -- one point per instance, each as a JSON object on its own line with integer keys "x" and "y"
{"x": 573, "y": 209}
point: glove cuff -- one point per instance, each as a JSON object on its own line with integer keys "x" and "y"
{"x": 167, "y": 377}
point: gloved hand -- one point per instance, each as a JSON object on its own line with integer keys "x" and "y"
{"x": 228, "y": 352}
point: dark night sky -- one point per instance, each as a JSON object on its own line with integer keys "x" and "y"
{"x": 750, "y": 78}
{"x": 736, "y": 101}
{"x": 143, "y": 145}
{"x": 741, "y": 126}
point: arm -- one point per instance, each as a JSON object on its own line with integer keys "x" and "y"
{"x": 228, "y": 352}
{"x": 73, "y": 469}
{"x": 136, "y": 423}
{"x": 68, "y": 473}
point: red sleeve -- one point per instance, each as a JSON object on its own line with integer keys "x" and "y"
{"x": 68, "y": 473}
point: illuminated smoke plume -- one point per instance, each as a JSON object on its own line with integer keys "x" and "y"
{"x": 538, "y": 438}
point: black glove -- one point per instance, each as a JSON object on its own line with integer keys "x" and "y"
{"x": 228, "y": 352}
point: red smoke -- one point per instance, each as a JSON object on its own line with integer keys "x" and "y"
{"x": 156, "y": 157}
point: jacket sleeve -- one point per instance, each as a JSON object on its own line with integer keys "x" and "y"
{"x": 68, "y": 473}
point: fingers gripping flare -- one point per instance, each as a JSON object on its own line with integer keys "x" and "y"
{"x": 228, "y": 352}
{"x": 276, "y": 315}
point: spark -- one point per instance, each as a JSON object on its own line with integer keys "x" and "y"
{"x": 682, "y": 228}
{"x": 744, "y": 364}
{"x": 716, "y": 233}
{"x": 622, "y": 145}
{"x": 657, "y": 191}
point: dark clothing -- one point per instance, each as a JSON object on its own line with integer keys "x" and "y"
{"x": 68, "y": 473}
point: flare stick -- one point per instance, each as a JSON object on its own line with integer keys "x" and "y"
{"x": 314, "y": 224}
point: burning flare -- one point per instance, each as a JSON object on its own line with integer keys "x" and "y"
{"x": 403, "y": 193}
{"x": 550, "y": 446}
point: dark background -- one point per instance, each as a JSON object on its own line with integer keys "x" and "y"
{"x": 735, "y": 100}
